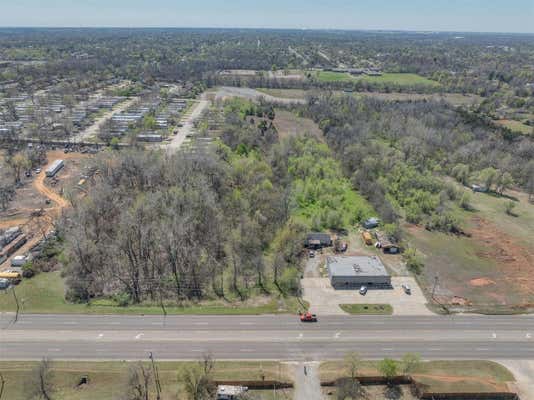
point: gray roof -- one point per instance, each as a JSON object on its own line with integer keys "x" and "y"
{"x": 356, "y": 266}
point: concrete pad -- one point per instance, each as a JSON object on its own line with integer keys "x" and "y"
{"x": 524, "y": 375}
{"x": 325, "y": 300}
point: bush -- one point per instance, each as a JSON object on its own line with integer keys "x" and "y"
{"x": 28, "y": 271}
{"x": 290, "y": 281}
{"x": 122, "y": 299}
{"x": 413, "y": 262}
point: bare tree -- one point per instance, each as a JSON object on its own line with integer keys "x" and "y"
{"x": 197, "y": 381}
{"x": 41, "y": 386}
{"x": 138, "y": 383}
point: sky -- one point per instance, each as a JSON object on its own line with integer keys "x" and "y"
{"x": 414, "y": 15}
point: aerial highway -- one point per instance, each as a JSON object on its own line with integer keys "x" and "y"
{"x": 284, "y": 337}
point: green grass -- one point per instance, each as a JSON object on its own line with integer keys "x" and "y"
{"x": 45, "y": 294}
{"x": 462, "y": 376}
{"x": 367, "y": 309}
{"x": 517, "y": 126}
{"x": 400, "y": 79}
{"x": 106, "y": 379}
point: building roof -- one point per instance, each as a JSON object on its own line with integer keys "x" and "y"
{"x": 356, "y": 266}
{"x": 322, "y": 237}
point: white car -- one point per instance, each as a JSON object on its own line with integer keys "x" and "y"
{"x": 363, "y": 290}
{"x": 406, "y": 288}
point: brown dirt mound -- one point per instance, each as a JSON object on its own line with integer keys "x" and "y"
{"x": 481, "y": 282}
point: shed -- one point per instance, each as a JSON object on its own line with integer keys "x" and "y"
{"x": 317, "y": 240}
{"x": 352, "y": 272}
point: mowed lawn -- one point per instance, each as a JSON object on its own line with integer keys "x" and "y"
{"x": 400, "y": 79}
{"x": 493, "y": 268}
{"x": 107, "y": 380}
{"x": 45, "y": 294}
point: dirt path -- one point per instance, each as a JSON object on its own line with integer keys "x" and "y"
{"x": 252, "y": 94}
{"x": 307, "y": 383}
{"x": 94, "y": 128}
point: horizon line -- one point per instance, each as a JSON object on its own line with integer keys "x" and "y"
{"x": 378, "y": 30}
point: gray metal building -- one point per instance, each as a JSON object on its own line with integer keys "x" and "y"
{"x": 352, "y": 272}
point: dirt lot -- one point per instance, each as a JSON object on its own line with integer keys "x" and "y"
{"x": 29, "y": 209}
{"x": 493, "y": 266}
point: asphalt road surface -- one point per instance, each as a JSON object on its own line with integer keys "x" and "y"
{"x": 264, "y": 337}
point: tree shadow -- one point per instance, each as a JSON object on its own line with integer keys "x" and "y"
{"x": 393, "y": 392}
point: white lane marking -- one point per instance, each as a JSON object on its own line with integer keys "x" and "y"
{"x": 434, "y": 349}
{"x": 101, "y": 336}
{"x": 387, "y": 349}
{"x": 246, "y": 350}
{"x": 494, "y": 336}
{"x": 481, "y": 349}
{"x": 137, "y": 337}
{"x": 300, "y": 336}
{"x": 246, "y": 323}
{"x": 196, "y": 350}
{"x": 528, "y": 336}
{"x": 201, "y": 323}
{"x": 54, "y": 350}
{"x": 114, "y": 323}
{"x": 70, "y": 323}
{"x": 337, "y": 335}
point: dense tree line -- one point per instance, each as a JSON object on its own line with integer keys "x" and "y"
{"x": 397, "y": 153}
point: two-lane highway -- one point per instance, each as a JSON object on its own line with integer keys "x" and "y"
{"x": 264, "y": 337}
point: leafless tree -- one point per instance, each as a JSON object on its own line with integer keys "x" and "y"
{"x": 41, "y": 386}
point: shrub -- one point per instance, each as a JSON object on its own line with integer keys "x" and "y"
{"x": 413, "y": 262}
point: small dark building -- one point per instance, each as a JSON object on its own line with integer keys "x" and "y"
{"x": 317, "y": 240}
{"x": 371, "y": 223}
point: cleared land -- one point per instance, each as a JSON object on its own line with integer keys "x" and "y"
{"x": 45, "y": 293}
{"x": 492, "y": 269}
{"x": 456, "y": 99}
{"x": 401, "y": 79}
{"x": 288, "y": 124}
{"x": 516, "y": 126}
{"x": 107, "y": 379}
{"x": 440, "y": 376}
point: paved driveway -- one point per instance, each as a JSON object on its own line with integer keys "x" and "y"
{"x": 324, "y": 300}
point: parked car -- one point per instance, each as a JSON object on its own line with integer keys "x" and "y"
{"x": 406, "y": 288}
{"x": 363, "y": 290}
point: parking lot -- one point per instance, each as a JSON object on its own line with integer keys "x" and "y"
{"x": 325, "y": 300}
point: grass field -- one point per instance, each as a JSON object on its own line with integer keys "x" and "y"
{"x": 441, "y": 376}
{"x": 107, "y": 379}
{"x": 367, "y": 309}
{"x": 45, "y": 294}
{"x": 400, "y": 79}
{"x": 516, "y": 126}
{"x": 492, "y": 270}
{"x": 285, "y": 93}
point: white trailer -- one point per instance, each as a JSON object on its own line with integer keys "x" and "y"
{"x": 54, "y": 168}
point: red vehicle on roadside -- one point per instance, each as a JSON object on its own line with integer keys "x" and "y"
{"x": 307, "y": 317}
